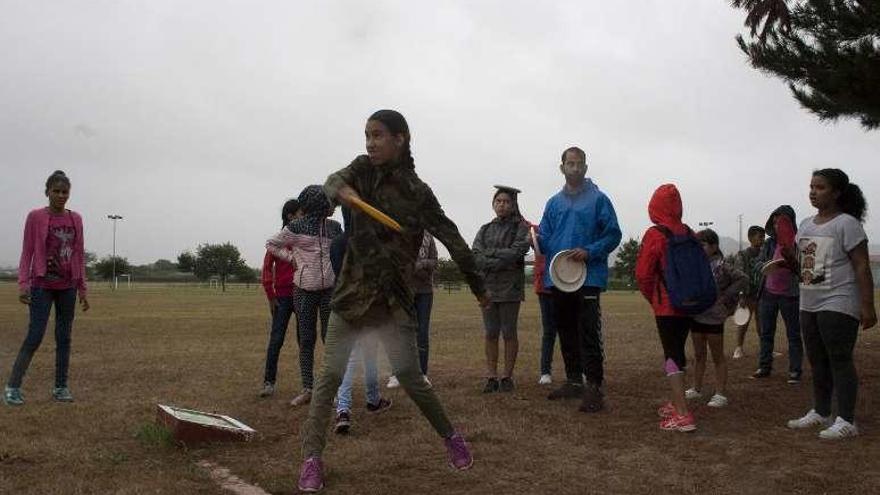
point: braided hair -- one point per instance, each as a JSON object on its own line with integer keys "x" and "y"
{"x": 396, "y": 124}
{"x": 851, "y": 200}
{"x": 56, "y": 177}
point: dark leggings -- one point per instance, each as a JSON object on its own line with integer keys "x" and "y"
{"x": 309, "y": 304}
{"x": 673, "y": 332}
{"x": 829, "y": 337}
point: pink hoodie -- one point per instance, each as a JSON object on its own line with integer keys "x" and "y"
{"x": 33, "y": 251}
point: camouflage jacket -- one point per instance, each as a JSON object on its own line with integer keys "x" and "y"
{"x": 500, "y": 247}
{"x": 746, "y": 261}
{"x": 379, "y": 263}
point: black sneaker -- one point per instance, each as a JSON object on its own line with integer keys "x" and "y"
{"x": 380, "y": 406}
{"x": 568, "y": 390}
{"x": 760, "y": 373}
{"x": 506, "y": 384}
{"x": 343, "y": 423}
{"x": 794, "y": 378}
{"x": 492, "y": 385}
{"x": 592, "y": 400}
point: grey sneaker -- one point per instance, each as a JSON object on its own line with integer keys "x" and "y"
{"x": 62, "y": 394}
{"x": 343, "y": 423}
{"x": 303, "y": 398}
{"x": 13, "y": 397}
{"x": 268, "y": 390}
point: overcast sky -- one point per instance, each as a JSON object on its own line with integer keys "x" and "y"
{"x": 196, "y": 120}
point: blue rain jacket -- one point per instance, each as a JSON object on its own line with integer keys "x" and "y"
{"x": 584, "y": 219}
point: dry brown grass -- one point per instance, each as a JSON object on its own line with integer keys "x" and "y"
{"x": 205, "y": 350}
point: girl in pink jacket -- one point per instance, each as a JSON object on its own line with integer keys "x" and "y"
{"x": 51, "y": 271}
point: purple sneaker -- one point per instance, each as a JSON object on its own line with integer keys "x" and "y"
{"x": 458, "y": 453}
{"x": 311, "y": 475}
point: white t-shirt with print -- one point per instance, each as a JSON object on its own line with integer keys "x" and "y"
{"x": 828, "y": 281}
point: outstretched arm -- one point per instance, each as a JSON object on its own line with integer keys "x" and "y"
{"x": 440, "y": 226}
{"x": 279, "y": 245}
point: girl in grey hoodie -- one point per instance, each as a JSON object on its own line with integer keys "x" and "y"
{"x": 708, "y": 327}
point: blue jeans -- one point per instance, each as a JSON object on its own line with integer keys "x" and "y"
{"x": 41, "y": 303}
{"x": 364, "y": 350}
{"x": 423, "y": 303}
{"x": 548, "y": 337}
{"x": 769, "y": 307}
{"x": 280, "y": 320}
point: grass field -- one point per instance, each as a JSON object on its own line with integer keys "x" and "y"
{"x": 202, "y": 349}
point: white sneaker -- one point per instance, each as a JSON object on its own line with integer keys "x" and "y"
{"x": 810, "y": 420}
{"x": 392, "y": 382}
{"x": 692, "y": 393}
{"x": 717, "y": 400}
{"x": 840, "y": 429}
{"x": 424, "y": 377}
{"x": 545, "y": 380}
{"x": 738, "y": 353}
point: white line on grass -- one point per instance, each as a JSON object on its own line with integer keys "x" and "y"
{"x": 229, "y": 481}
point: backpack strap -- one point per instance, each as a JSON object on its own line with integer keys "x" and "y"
{"x": 663, "y": 230}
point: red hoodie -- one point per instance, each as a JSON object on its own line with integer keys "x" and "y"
{"x": 663, "y": 209}
{"x": 277, "y": 277}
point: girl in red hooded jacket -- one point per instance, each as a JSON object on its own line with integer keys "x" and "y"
{"x": 664, "y": 210}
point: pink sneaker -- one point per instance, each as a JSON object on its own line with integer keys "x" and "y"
{"x": 458, "y": 453}
{"x": 311, "y": 475}
{"x": 666, "y": 410}
{"x": 679, "y": 423}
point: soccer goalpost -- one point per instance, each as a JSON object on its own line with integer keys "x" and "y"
{"x": 127, "y": 277}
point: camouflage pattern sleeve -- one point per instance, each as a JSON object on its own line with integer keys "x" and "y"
{"x": 478, "y": 248}
{"x": 344, "y": 177}
{"x": 441, "y": 227}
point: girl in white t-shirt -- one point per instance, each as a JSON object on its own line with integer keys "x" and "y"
{"x": 836, "y": 297}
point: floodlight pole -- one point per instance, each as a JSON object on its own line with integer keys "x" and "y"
{"x": 114, "y": 218}
{"x": 739, "y": 239}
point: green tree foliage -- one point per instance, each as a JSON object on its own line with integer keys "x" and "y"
{"x": 625, "y": 263}
{"x": 447, "y": 271}
{"x": 828, "y": 51}
{"x": 164, "y": 265}
{"x": 186, "y": 262}
{"x": 104, "y": 267}
{"x": 220, "y": 260}
{"x": 90, "y": 260}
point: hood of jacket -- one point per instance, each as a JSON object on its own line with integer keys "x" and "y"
{"x": 665, "y": 206}
{"x": 313, "y": 202}
{"x": 786, "y": 210}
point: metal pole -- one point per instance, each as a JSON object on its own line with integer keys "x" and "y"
{"x": 740, "y": 231}
{"x": 114, "y": 218}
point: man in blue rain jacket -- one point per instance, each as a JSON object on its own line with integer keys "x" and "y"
{"x": 580, "y": 218}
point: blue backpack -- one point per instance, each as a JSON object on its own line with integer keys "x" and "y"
{"x": 688, "y": 276}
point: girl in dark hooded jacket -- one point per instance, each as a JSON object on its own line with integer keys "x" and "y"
{"x": 778, "y": 293}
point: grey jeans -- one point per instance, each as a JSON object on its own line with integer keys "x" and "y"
{"x": 397, "y": 332}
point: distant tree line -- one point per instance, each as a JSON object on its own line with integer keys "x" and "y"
{"x": 223, "y": 261}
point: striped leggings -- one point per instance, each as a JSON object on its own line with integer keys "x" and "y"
{"x": 309, "y": 304}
